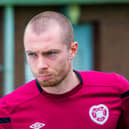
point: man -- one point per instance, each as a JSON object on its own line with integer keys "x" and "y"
{"x": 60, "y": 98}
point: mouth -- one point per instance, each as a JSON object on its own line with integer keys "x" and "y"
{"x": 44, "y": 77}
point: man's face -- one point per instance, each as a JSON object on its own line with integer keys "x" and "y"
{"x": 48, "y": 57}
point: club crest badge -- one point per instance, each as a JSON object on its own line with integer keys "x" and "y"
{"x": 99, "y": 113}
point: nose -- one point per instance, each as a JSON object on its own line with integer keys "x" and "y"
{"x": 42, "y": 63}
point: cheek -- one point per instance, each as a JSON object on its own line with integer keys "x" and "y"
{"x": 64, "y": 61}
{"x": 31, "y": 62}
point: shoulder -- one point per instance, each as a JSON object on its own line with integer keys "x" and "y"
{"x": 106, "y": 79}
{"x": 20, "y": 95}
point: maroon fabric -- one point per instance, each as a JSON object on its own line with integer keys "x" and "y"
{"x": 100, "y": 102}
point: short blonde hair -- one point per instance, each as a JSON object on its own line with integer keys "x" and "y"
{"x": 40, "y": 22}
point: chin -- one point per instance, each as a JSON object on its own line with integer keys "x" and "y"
{"x": 49, "y": 83}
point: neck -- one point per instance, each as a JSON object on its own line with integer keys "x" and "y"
{"x": 66, "y": 85}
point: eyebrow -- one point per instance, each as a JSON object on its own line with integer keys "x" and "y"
{"x": 44, "y": 52}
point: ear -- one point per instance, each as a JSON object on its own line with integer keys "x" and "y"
{"x": 73, "y": 49}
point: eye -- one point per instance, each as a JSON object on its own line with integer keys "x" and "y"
{"x": 51, "y": 53}
{"x": 31, "y": 54}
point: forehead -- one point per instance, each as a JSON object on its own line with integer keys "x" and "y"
{"x": 50, "y": 39}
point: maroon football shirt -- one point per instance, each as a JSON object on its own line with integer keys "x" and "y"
{"x": 100, "y": 101}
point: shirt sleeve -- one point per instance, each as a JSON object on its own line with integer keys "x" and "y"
{"x": 5, "y": 120}
{"x": 123, "y": 122}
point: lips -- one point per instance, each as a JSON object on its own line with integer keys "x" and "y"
{"x": 44, "y": 77}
